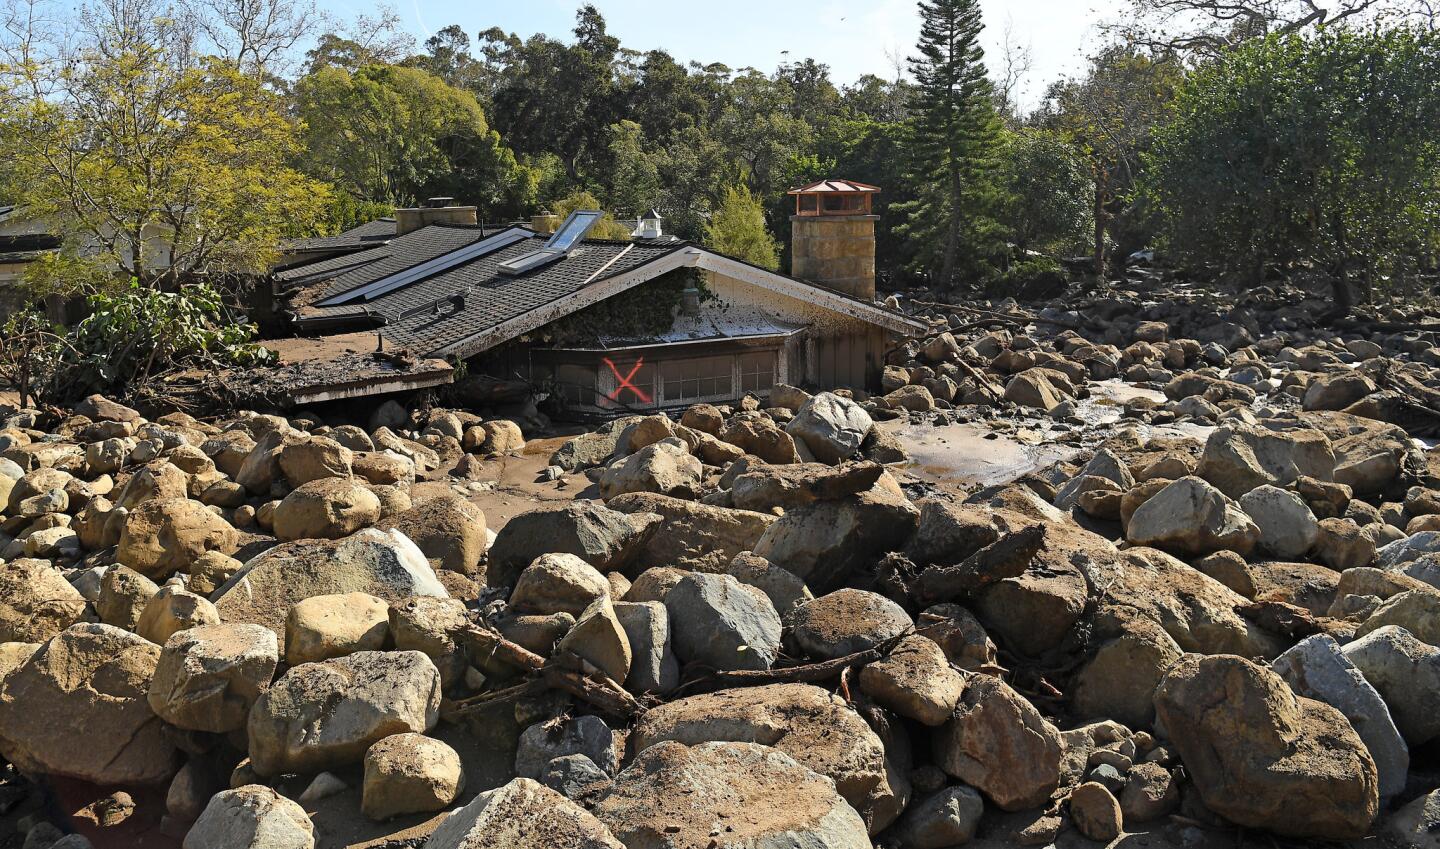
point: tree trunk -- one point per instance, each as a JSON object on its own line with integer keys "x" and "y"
{"x": 1100, "y": 223}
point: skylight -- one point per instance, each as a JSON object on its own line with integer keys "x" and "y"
{"x": 561, "y": 243}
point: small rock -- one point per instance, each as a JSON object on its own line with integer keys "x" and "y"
{"x": 409, "y": 773}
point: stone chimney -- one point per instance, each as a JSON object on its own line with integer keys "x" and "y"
{"x": 833, "y": 236}
{"x": 433, "y": 211}
{"x": 544, "y": 223}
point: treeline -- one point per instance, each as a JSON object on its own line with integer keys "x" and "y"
{"x": 1245, "y": 145}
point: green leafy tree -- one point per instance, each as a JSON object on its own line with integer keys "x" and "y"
{"x": 737, "y": 229}
{"x": 1110, "y": 116}
{"x": 150, "y": 160}
{"x": 606, "y": 228}
{"x": 1047, "y": 184}
{"x": 1322, "y": 150}
{"x": 396, "y": 135}
{"x": 954, "y": 137}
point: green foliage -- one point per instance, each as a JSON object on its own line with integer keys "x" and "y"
{"x": 737, "y": 229}
{"x": 130, "y": 335}
{"x": 1031, "y": 277}
{"x": 644, "y": 312}
{"x": 1323, "y": 150}
{"x": 1110, "y": 116}
{"x": 1047, "y": 186}
{"x": 395, "y": 135}
{"x": 953, "y": 138}
{"x": 606, "y": 228}
{"x": 345, "y": 211}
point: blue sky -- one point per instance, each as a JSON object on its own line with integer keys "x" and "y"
{"x": 853, "y": 37}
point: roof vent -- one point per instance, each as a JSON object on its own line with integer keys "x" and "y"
{"x": 648, "y": 227}
{"x": 559, "y": 246}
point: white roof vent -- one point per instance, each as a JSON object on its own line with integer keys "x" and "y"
{"x": 648, "y": 227}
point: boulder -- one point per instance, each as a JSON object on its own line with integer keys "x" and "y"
{"x": 430, "y": 625}
{"x": 1096, "y": 812}
{"x": 653, "y": 665}
{"x": 599, "y": 640}
{"x": 762, "y": 487}
{"x": 1406, "y": 673}
{"x": 95, "y": 678}
{"x": 915, "y": 680}
{"x": 696, "y": 536}
{"x": 408, "y": 774}
{"x": 832, "y": 427}
{"x": 1317, "y": 669}
{"x": 542, "y": 743}
{"x": 162, "y": 536}
{"x": 719, "y": 622}
{"x": 1150, "y": 793}
{"x": 324, "y": 715}
{"x": 1191, "y": 517}
{"x": 328, "y": 508}
{"x": 1417, "y": 611}
{"x": 382, "y": 563}
{"x": 1417, "y": 825}
{"x": 824, "y": 542}
{"x": 844, "y": 622}
{"x": 523, "y": 814}
{"x": 784, "y": 588}
{"x": 314, "y": 459}
{"x": 1239, "y": 457}
{"x": 36, "y": 602}
{"x": 326, "y": 626}
{"x": 604, "y": 538}
{"x": 101, "y": 409}
{"x": 1263, "y": 757}
{"x": 805, "y": 722}
{"x": 123, "y": 596}
{"x": 998, "y": 743}
{"x": 174, "y": 609}
{"x": 1336, "y": 391}
{"x": 558, "y": 583}
{"x": 208, "y": 678}
{"x": 757, "y": 433}
{"x": 499, "y": 436}
{"x": 251, "y": 817}
{"x": 762, "y": 796}
{"x": 1287, "y": 527}
{"x": 449, "y": 530}
{"x": 666, "y": 467}
{"x": 1033, "y": 388}
{"x": 940, "y": 821}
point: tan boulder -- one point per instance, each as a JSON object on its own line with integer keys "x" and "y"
{"x": 326, "y": 626}
{"x": 409, "y": 773}
{"x": 36, "y": 602}
{"x": 328, "y": 508}
{"x": 174, "y": 609}
{"x": 163, "y": 536}
{"x": 998, "y": 743}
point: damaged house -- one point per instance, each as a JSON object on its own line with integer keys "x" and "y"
{"x": 607, "y": 326}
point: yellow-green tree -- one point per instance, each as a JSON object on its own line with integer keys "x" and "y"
{"x": 606, "y": 228}
{"x": 737, "y": 229}
{"x": 151, "y": 161}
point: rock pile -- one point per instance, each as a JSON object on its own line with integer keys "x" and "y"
{"x": 756, "y": 628}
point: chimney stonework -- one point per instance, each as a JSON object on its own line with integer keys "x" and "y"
{"x": 435, "y": 211}
{"x": 833, "y": 236}
{"x": 836, "y": 251}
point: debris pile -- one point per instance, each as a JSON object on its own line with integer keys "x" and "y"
{"x": 751, "y": 626}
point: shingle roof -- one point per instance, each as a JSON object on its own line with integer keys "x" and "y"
{"x": 369, "y": 234}
{"x": 490, "y": 297}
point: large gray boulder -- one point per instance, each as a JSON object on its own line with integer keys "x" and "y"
{"x": 523, "y": 814}
{"x": 542, "y": 743}
{"x": 77, "y": 708}
{"x": 324, "y": 715}
{"x": 1406, "y": 673}
{"x": 817, "y": 729}
{"x": 207, "y": 678}
{"x": 1288, "y": 529}
{"x": 667, "y": 467}
{"x": 604, "y": 538}
{"x": 1191, "y": 517}
{"x": 844, "y": 622}
{"x": 832, "y": 427}
{"x": 251, "y": 817}
{"x": 723, "y": 624}
{"x": 385, "y": 564}
{"x": 1239, "y": 457}
{"x": 1317, "y": 669}
{"x": 762, "y": 796}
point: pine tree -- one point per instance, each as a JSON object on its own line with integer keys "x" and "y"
{"x": 954, "y": 136}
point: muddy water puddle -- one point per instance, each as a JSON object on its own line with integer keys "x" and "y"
{"x": 995, "y": 451}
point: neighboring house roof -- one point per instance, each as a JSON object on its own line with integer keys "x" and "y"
{"x": 366, "y": 235}
{"x": 467, "y": 305}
